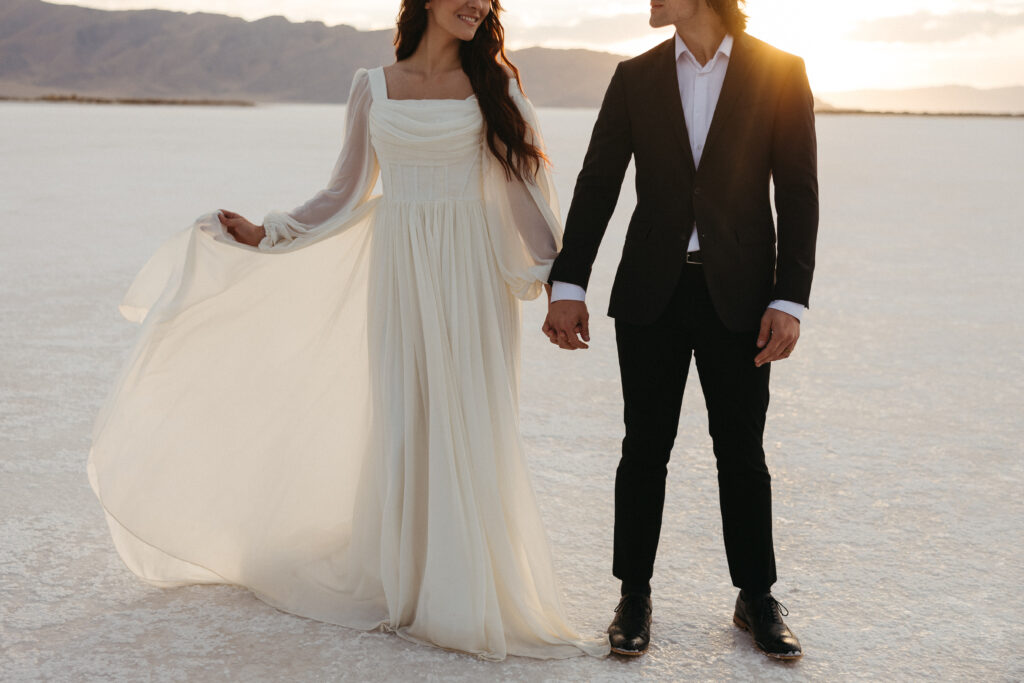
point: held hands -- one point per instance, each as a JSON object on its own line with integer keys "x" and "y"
{"x": 567, "y": 326}
{"x": 241, "y": 228}
{"x": 568, "y": 323}
{"x": 778, "y": 336}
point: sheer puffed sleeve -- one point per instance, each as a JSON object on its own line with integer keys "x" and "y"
{"x": 523, "y": 216}
{"x": 352, "y": 180}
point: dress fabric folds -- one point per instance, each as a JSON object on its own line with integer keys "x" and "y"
{"x": 331, "y": 419}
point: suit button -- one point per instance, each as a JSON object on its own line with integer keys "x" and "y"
{"x": 696, "y": 192}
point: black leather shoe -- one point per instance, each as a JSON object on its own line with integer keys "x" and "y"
{"x": 762, "y": 616}
{"x": 630, "y": 630}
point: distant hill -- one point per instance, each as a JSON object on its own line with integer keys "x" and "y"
{"x": 945, "y": 99}
{"x": 565, "y": 78}
{"x": 48, "y": 49}
{"x": 61, "y": 49}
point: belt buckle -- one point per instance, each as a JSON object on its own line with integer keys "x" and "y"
{"x": 694, "y": 258}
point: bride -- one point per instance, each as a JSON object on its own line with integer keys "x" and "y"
{"x": 324, "y": 408}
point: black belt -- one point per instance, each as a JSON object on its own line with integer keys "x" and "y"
{"x": 694, "y": 258}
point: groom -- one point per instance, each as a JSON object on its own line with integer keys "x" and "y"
{"x": 710, "y": 117}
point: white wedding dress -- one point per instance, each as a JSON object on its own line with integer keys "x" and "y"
{"x": 331, "y": 420}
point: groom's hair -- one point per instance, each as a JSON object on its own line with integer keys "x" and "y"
{"x": 730, "y": 13}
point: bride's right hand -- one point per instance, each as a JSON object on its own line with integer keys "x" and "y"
{"x": 241, "y": 228}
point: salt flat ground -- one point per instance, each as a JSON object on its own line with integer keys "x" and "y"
{"x": 894, "y": 432}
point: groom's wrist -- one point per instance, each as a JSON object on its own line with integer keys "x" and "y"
{"x": 566, "y": 291}
{"x": 794, "y": 309}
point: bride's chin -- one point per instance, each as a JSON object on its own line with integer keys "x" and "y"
{"x": 463, "y": 35}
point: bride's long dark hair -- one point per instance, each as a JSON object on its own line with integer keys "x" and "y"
{"x": 484, "y": 61}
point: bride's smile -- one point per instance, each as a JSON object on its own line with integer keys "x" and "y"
{"x": 460, "y": 18}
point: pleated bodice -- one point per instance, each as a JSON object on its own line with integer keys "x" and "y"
{"x": 428, "y": 150}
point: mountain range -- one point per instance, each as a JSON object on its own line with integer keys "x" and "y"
{"x": 48, "y": 49}
{"x": 60, "y": 49}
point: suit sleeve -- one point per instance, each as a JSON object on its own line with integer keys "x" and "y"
{"x": 597, "y": 187}
{"x": 795, "y": 174}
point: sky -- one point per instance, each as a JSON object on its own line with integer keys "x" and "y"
{"x": 847, "y": 45}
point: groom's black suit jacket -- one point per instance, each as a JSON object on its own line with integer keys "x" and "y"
{"x": 763, "y": 127}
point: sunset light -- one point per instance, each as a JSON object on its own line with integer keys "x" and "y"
{"x": 854, "y": 45}
{"x": 382, "y": 341}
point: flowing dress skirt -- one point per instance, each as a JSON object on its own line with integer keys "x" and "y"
{"x": 336, "y": 429}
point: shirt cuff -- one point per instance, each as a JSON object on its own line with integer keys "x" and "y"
{"x": 794, "y": 309}
{"x": 565, "y": 291}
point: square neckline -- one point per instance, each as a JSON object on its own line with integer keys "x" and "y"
{"x": 387, "y": 98}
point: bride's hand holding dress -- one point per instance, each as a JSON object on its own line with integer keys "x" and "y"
{"x": 241, "y": 228}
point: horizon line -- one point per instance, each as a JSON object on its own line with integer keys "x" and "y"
{"x": 519, "y": 45}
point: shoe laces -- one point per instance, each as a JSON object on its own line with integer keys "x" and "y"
{"x": 772, "y": 610}
{"x": 631, "y": 605}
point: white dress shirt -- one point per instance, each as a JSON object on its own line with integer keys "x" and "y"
{"x": 699, "y": 88}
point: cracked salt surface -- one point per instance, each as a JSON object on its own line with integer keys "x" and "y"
{"x": 894, "y": 432}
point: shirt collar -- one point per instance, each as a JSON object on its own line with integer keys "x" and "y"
{"x": 724, "y": 48}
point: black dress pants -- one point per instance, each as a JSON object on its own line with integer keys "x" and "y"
{"x": 654, "y": 361}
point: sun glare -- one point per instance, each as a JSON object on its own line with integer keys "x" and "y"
{"x": 816, "y": 31}
{"x": 821, "y": 32}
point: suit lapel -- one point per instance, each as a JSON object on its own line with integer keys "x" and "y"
{"x": 740, "y": 61}
{"x": 668, "y": 84}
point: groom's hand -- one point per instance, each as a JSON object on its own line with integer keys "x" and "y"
{"x": 778, "y": 336}
{"x": 568, "y": 324}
